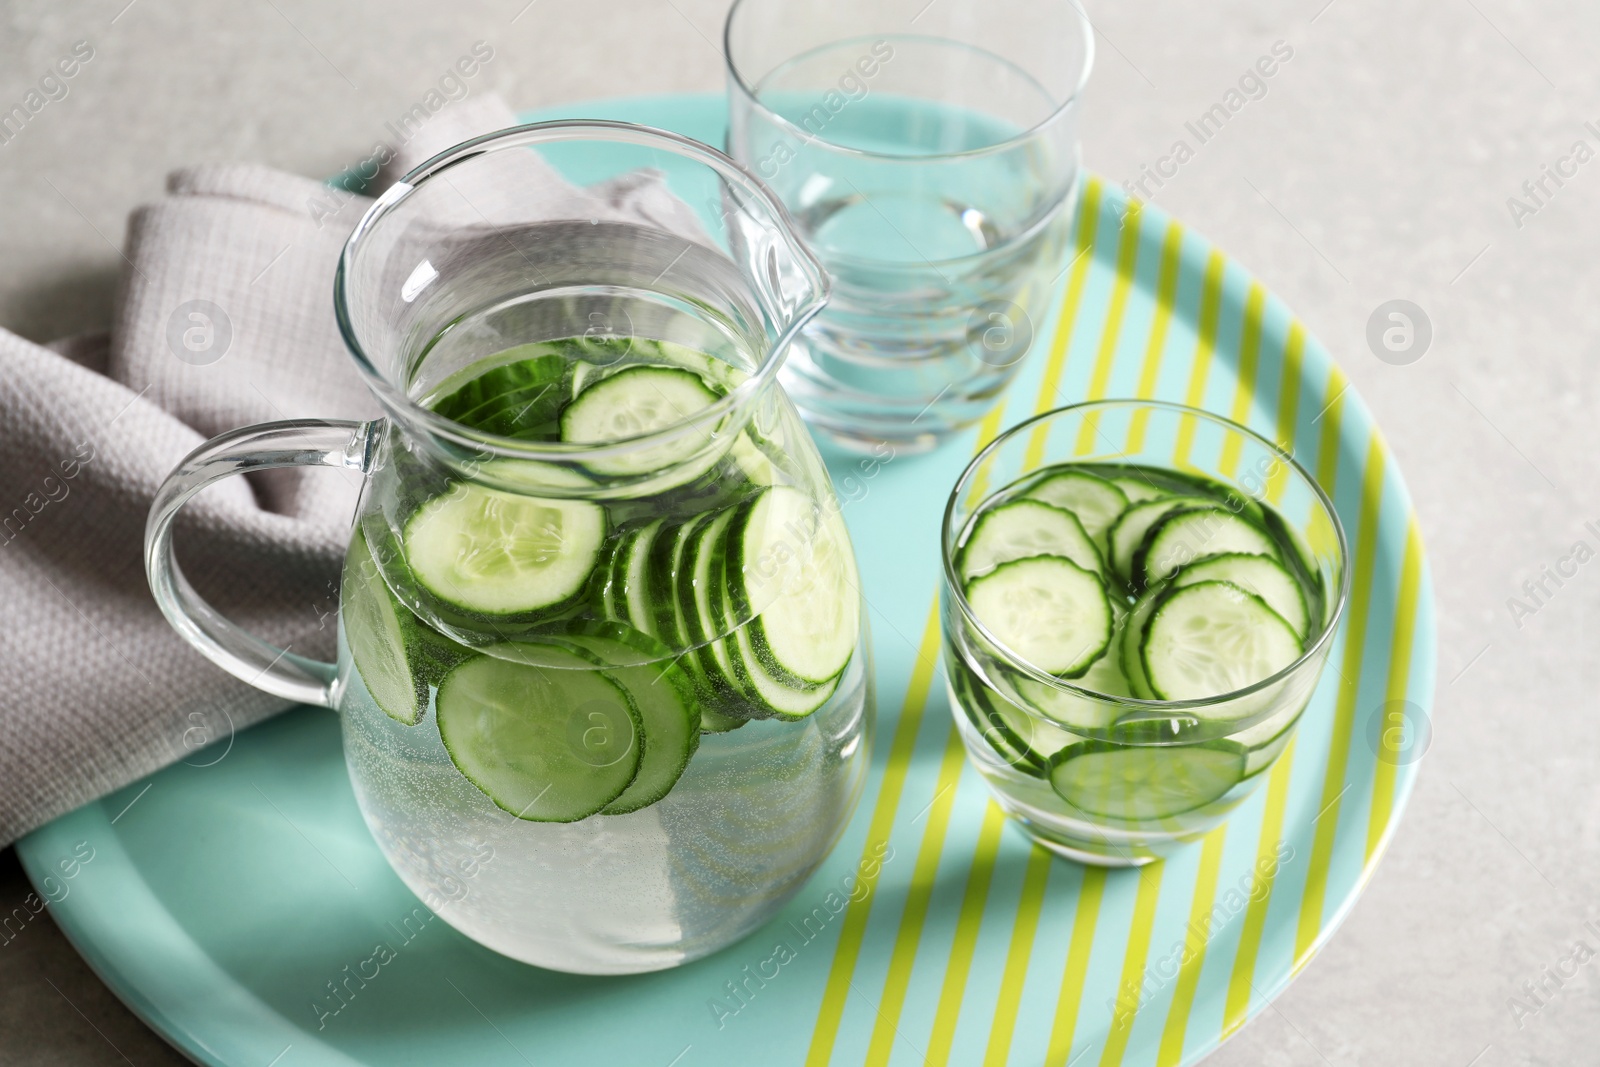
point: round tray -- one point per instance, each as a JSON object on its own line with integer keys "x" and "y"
{"x": 234, "y": 906}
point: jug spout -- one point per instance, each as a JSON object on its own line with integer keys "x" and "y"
{"x": 788, "y": 278}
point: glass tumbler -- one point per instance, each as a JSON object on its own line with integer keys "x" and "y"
{"x": 929, "y": 154}
{"x": 603, "y": 677}
{"x": 1096, "y": 774}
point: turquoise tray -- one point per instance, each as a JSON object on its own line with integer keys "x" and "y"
{"x": 212, "y": 908}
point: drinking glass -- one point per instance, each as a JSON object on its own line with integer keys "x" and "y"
{"x": 574, "y": 709}
{"x": 1020, "y": 723}
{"x": 929, "y": 153}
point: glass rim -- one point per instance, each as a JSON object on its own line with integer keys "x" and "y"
{"x": 394, "y": 397}
{"x": 1166, "y": 708}
{"x": 1062, "y": 107}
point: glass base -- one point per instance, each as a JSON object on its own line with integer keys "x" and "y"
{"x": 910, "y": 411}
{"x": 1032, "y": 803}
{"x": 1092, "y": 854}
{"x": 876, "y": 441}
{"x": 1039, "y": 813}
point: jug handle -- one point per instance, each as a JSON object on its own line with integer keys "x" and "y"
{"x": 294, "y": 443}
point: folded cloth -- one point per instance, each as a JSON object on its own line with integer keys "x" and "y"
{"x": 224, "y": 317}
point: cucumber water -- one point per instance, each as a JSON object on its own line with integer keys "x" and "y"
{"x": 1107, "y": 662}
{"x": 634, "y": 674}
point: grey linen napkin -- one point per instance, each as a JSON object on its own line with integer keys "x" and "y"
{"x": 224, "y": 318}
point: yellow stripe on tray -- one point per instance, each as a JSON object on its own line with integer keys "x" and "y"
{"x": 1236, "y": 1007}
{"x": 1313, "y": 900}
{"x": 920, "y": 893}
{"x": 1133, "y": 964}
{"x": 1155, "y": 346}
{"x": 1023, "y": 931}
{"x": 854, "y": 928}
{"x": 1205, "y": 347}
{"x": 1100, "y": 377}
{"x": 973, "y": 901}
{"x": 1294, "y": 351}
{"x": 1196, "y": 937}
{"x": 1330, "y": 418}
{"x": 1390, "y": 755}
{"x": 1090, "y": 893}
{"x": 902, "y": 956}
{"x": 1244, "y": 397}
{"x": 1083, "y": 259}
{"x": 1050, "y": 381}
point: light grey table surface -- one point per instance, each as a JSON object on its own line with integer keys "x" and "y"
{"x": 1378, "y": 165}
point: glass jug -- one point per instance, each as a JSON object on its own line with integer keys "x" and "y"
{"x": 601, "y": 640}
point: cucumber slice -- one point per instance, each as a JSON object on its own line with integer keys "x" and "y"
{"x": 756, "y": 466}
{"x": 1079, "y": 712}
{"x": 808, "y": 633}
{"x": 634, "y": 602}
{"x": 1188, "y": 534}
{"x": 1262, "y": 756}
{"x": 376, "y": 630}
{"x": 1128, "y": 532}
{"x": 599, "y": 356}
{"x": 1023, "y": 528}
{"x": 1035, "y": 738}
{"x": 701, "y": 578}
{"x": 711, "y": 688}
{"x": 1299, "y": 561}
{"x": 598, "y": 350}
{"x": 1260, "y": 575}
{"x": 715, "y": 722}
{"x": 1139, "y": 783}
{"x": 520, "y": 398}
{"x": 664, "y": 698}
{"x": 965, "y": 695}
{"x": 792, "y": 573}
{"x": 1129, "y": 654}
{"x": 1191, "y": 483}
{"x": 638, "y": 401}
{"x": 662, "y": 578}
{"x": 1095, "y": 501}
{"x": 762, "y": 695}
{"x": 608, "y": 578}
{"x": 768, "y": 537}
{"x": 431, "y": 654}
{"x": 765, "y": 694}
{"x": 1138, "y": 490}
{"x": 1048, "y": 610}
{"x": 1268, "y": 729}
{"x": 1212, "y": 638}
{"x": 533, "y": 477}
{"x": 542, "y": 732}
{"x": 491, "y": 553}
{"x": 776, "y": 698}
{"x": 718, "y": 372}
